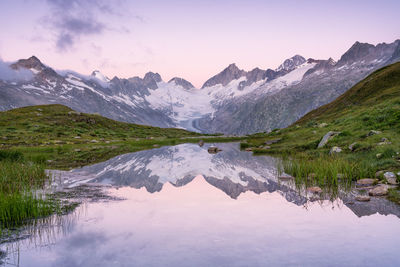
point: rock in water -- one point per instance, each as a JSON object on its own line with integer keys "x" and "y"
{"x": 213, "y": 150}
{"x": 365, "y": 182}
{"x": 285, "y": 178}
{"x": 326, "y": 138}
{"x": 380, "y": 190}
{"x": 363, "y": 198}
{"x": 390, "y": 177}
{"x": 314, "y": 190}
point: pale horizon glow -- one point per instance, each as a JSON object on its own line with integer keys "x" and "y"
{"x": 188, "y": 39}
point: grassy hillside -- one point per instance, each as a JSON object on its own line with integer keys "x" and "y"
{"x": 61, "y": 138}
{"x": 48, "y": 124}
{"x": 372, "y": 104}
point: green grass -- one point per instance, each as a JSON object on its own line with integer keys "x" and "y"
{"x": 19, "y": 201}
{"x": 372, "y": 104}
{"x": 57, "y": 124}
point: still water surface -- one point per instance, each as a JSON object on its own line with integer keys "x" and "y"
{"x": 181, "y": 206}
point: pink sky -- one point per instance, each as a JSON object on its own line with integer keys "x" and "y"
{"x": 190, "y": 39}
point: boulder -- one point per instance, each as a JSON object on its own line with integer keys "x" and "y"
{"x": 326, "y": 138}
{"x": 213, "y": 150}
{"x": 373, "y": 132}
{"x": 335, "y": 150}
{"x": 352, "y": 147}
{"x": 285, "y": 177}
{"x": 365, "y": 182}
{"x": 314, "y": 190}
{"x": 270, "y": 142}
{"x": 363, "y": 198}
{"x": 384, "y": 143}
{"x": 390, "y": 178}
{"x": 380, "y": 190}
{"x": 201, "y": 143}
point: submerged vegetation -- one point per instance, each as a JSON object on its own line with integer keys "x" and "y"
{"x": 361, "y": 127}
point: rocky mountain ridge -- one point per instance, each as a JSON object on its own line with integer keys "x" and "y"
{"x": 234, "y": 101}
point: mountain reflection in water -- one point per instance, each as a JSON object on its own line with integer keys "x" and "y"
{"x": 233, "y": 171}
{"x": 181, "y": 206}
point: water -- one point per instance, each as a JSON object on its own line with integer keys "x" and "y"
{"x": 181, "y": 206}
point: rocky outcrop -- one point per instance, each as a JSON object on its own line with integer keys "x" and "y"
{"x": 181, "y": 82}
{"x": 291, "y": 63}
{"x": 232, "y": 72}
{"x": 326, "y": 138}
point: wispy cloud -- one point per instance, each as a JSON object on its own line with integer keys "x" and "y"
{"x": 73, "y": 19}
{"x": 9, "y": 74}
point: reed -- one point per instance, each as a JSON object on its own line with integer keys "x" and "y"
{"x": 19, "y": 197}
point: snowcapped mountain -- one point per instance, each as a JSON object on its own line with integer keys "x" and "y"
{"x": 234, "y": 101}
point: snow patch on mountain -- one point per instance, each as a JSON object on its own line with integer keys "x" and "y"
{"x": 181, "y": 103}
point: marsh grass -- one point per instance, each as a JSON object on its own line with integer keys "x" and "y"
{"x": 19, "y": 199}
{"x": 326, "y": 172}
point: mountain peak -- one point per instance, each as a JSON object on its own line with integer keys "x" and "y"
{"x": 32, "y": 63}
{"x": 100, "y": 76}
{"x": 181, "y": 82}
{"x": 151, "y": 76}
{"x": 230, "y": 73}
{"x": 356, "y": 51}
{"x": 291, "y": 63}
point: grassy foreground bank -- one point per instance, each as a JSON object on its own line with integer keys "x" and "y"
{"x": 365, "y": 127}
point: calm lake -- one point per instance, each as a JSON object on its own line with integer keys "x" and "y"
{"x": 181, "y": 206}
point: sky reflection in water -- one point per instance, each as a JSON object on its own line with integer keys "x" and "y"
{"x": 195, "y": 222}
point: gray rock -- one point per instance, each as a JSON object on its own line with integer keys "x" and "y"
{"x": 365, "y": 182}
{"x": 273, "y": 141}
{"x": 373, "y": 132}
{"x": 352, "y": 147}
{"x": 314, "y": 190}
{"x": 285, "y": 178}
{"x": 363, "y": 198}
{"x": 390, "y": 178}
{"x": 326, "y": 138}
{"x": 384, "y": 143}
{"x": 335, "y": 150}
{"x": 213, "y": 150}
{"x": 380, "y": 190}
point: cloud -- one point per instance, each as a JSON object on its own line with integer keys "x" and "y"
{"x": 9, "y": 74}
{"x": 73, "y": 19}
